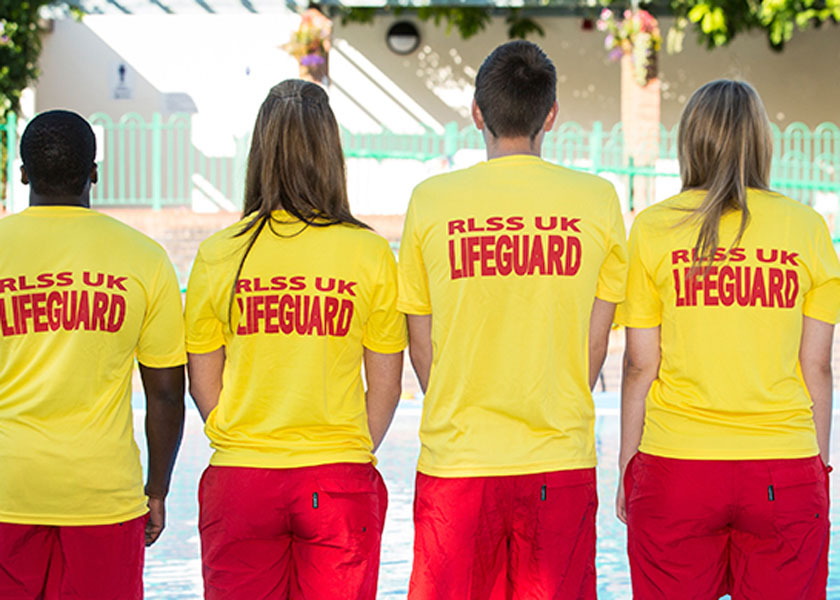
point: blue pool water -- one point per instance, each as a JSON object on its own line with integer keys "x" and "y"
{"x": 173, "y": 567}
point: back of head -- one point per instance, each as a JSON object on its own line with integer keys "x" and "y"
{"x": 58, "y": 150}
{"x": 515, "y": 89}
{"x": 296, "y": 162}
{"x": 724, "y": 146}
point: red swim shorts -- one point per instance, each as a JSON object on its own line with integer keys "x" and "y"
{"x": 308, "y": 532}
{"x": 517, "y": 536}
{"x": 92, "y": 562}
{"x": 757, "y": 529}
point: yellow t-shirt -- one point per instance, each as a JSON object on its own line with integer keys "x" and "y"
{"x": 80, "y": 295}
{"x": 508, "y": 257}
{"x": 309, "y": 300}
{"x": 728, "y": 384}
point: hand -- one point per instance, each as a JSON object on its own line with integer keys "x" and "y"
{"x": 157, "y": 519}
{"x": 620, "y": 501}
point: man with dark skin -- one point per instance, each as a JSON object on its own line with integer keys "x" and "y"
{"x": 81, "y": 295}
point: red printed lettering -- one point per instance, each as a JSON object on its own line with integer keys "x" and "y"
{"x": 116, "y": 282}
{"x": 88, "y": 280}
{"x": 788, "y": 257}
{"x": 346, "y": 287}
{"x": 567, "y": 224}
{"x": 456, "y": 226}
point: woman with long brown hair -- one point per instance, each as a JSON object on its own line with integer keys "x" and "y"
{"x": 282, "y": 310}
{"x": 733, "y": 293}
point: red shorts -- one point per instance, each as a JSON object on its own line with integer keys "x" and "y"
{"x": 516, "y": 536}
{"x": 757, "y": 529}
{"x": 94, "y": 562}
{"x": 306, "y": 532}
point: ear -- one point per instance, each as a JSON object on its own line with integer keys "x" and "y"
{"x": 552, "y": 115}
{"x": 478, "y": 118}
{"x": 24, "y": 178}
{"x": 94, "y": 173}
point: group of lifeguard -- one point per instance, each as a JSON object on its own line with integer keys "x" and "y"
{"x": 507, "y": 285}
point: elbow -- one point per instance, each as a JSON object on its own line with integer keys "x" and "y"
{"x": 419, "y": 355}
{"x": 392, "y": 388}
{"x": 644, "y": 370}
{"x": 817, "y": 371}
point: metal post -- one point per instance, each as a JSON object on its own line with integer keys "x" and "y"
{"x": 157, "y": 161}
{"x": 11, "y": 144}
{"x": 595, "y": 143}
{"x": 631, "y": 172}
{"x": 450, "y": 140}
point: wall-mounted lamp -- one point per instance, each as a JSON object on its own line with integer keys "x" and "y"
{"x": 403, "y": 37}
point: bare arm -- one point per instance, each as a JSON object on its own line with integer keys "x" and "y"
{"x": 383, "y": 373}
{"x": 205, "y": 372}
{"x": 815, "y": 361}
{"x": 641, "y": 367}
{"x": 420, "y": 347}
{"x": 599, "y": 337}
{"x": 164, "y": 426}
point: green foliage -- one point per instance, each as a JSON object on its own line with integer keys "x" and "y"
{"x": 20, "y": 46}
{"x": 520, "y": 27}
{"x": 718, "y": 22}
{"x": 466, "y": 20}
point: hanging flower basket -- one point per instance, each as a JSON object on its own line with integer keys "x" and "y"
{"x": 635, "y": 35}
{"x": 310, "y": 45}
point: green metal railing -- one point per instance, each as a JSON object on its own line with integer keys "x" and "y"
{"x": 805, "y": 162}
{"x": 8, "y": 144}
{"x": 155, "y": 163}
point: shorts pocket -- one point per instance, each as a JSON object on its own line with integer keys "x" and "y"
{"x": 798, "y": 496}
{"x": 351, "y": 509}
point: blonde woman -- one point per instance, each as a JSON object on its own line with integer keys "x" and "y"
{"x": 282, "y": 310}
{"x": 732, "y": 298}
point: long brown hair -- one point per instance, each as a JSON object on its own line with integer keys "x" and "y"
{"x": 725, "y": 146}
{"x": 295, "y": 164}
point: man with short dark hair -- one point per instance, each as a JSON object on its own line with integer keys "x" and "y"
{"x": 80, "y": 295}
{"x": 509, "y": 274}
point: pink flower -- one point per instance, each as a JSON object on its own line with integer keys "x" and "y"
{"x": 615, "y": 54}
{"x": 606, "y": 14}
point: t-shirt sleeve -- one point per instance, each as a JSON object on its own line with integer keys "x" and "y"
{"x": 385, "y": 330}
{"x": 612, "y": 279}
{"x": 161, "y": 342}
{"x": 413, "y": 280}
{"x": 204, "y": 330}
{"x": 642, "y": 306}
{"x": 822, "y": 301}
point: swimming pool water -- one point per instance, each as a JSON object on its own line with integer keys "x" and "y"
{"x": 173, "y": 566}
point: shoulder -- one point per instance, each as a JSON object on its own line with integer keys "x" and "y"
{"x": 120, "y": 234}
{"x": 445, "y": 182}
{"x": 365, "y": 240}
{"x": 226, "y": 242}
{"x": 775, "y": 203}
{"x": 669, "y": 212}
{"x": 593, "y": 184}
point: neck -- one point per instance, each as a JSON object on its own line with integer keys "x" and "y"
{"x": 499, "y": 147}
{"x": 36, "y": 199}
